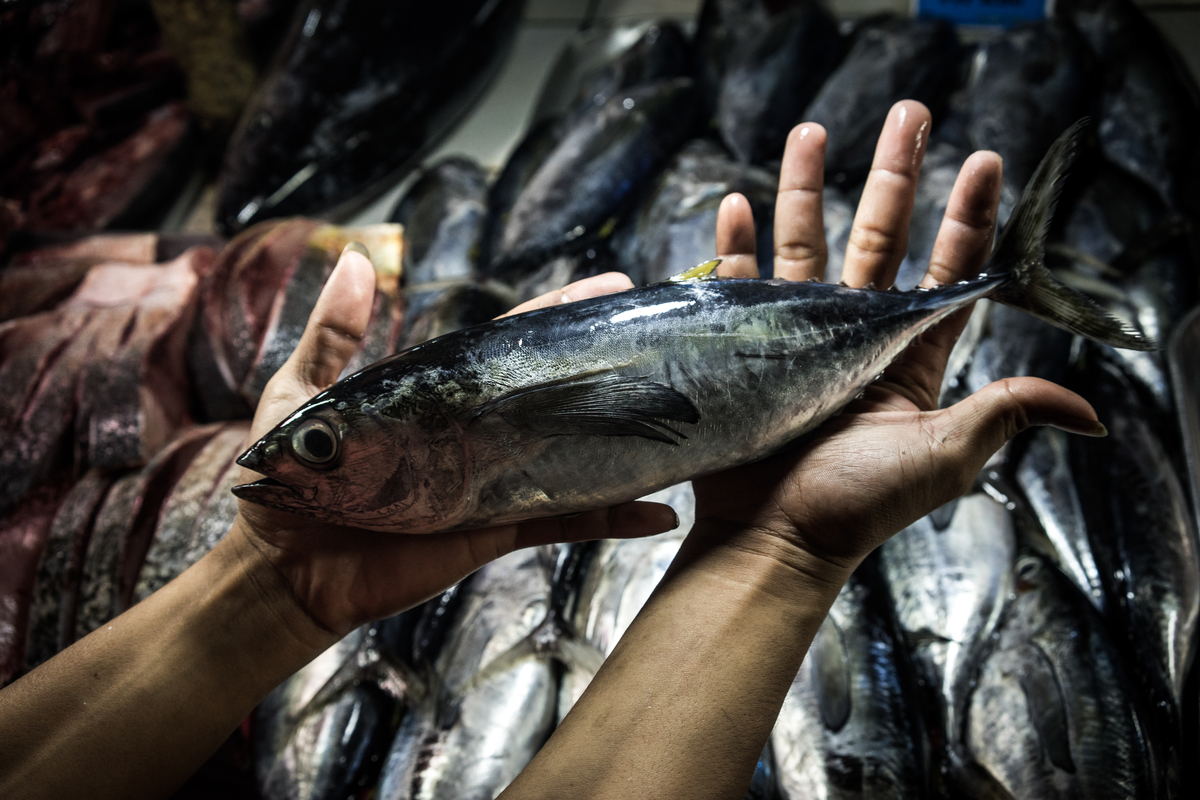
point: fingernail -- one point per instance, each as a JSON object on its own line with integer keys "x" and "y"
{"x": 1081, "y": 425}
{"x": 357, "y": 247}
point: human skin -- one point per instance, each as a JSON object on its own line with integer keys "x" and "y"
{"x": 684, "y": 705}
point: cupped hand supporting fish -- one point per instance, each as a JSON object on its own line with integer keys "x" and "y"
{"x": 343, "y": 576}
{"x": 892, "y": 456}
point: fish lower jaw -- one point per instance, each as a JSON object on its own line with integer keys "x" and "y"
{"x": 261, "y": 490}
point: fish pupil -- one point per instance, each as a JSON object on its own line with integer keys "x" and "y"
{"x": 318, "y": 443}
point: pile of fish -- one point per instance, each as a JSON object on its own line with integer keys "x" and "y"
{"x": 1035, "y": 638}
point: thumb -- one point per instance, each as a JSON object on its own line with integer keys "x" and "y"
{"x": 975, "y": 428}
{"x": 337, "y": 323}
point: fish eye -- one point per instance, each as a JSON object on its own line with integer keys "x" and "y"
{"x": 315, "y": 442}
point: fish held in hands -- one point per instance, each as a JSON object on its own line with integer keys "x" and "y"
{"x": 605, "y": 400}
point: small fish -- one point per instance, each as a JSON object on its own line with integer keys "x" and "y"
{"x": 605, "y": 400}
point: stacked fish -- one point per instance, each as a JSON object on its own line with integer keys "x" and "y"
{"x": 1034, "y": 638}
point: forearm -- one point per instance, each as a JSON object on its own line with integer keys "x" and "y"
{"x": 135, "y": 707}
{"x": 683, "y": 706}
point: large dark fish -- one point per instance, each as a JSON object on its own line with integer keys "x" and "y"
{"x": 770, "y": 79}
{"x": 889, "y": 60}
{"x": 1052, "y": 714}
{"x": 724, "y": 26}
{"x": 675, "y": 227}
{"x": 1148, "y": 115}
{"x": 485, "y": 425}
{"x": 848, "y": 727}
{"x": 524, "y": 162}
{"x": 1025, "y": 88}
{"x": 600, "y": 62}
{"x": 361, "y": 90}
{"x": 594, "y": 171}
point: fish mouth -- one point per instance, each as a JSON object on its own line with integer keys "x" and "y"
{"x": 272, "y": 492}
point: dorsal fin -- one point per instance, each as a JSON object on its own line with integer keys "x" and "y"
{"x": 701, "y": 272}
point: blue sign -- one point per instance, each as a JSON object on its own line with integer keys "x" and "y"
{"x": 986, "y": 12}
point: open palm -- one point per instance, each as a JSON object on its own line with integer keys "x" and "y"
{"x": 892, "y": 456}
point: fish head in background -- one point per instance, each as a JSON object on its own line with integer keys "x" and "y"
{"x": 390, "y": 461}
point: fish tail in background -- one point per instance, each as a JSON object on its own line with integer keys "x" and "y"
{"x": 1021, "y": 254}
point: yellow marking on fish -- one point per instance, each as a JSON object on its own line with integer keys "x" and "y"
{"x": 700, "y": 272}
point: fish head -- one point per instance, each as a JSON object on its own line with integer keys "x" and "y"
{"x": 396, "y": 466}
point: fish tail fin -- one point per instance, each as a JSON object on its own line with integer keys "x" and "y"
{"x": 1021, "y": 251}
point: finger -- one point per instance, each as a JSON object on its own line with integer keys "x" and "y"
{"x": 735, "y": 238}
{"x": 608, "y": 283}
{"x": 626, "y": 521}
{"x": 337, "y": 322}
{"x": 800, "y": 249}
{"x": 879, "y": 236}
{"x": 973, "y": 429}
{"x": 963, "y": 244}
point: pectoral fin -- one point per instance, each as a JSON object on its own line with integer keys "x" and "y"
{"x": 607, "y": 405}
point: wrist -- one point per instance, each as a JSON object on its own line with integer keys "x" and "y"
{"x": 774, "y": 566}
{"x": 274, "y": 598}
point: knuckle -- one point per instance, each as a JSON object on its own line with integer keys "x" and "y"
{"x": 874, "y": 240}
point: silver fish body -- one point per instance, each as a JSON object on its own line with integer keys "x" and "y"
{"x": 847, "y": 728}
{"x": 1053, "y": 712}
{"x": 493, "y": 697}
{"x": 487, "y": 425}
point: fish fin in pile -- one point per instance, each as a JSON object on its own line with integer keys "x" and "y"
{"x": 596, "y": 405}
{"x": 1020, "y": 254}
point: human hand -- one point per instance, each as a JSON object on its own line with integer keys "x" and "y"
{"x": 892, "y": 456}
{"x": 341, "y": 576}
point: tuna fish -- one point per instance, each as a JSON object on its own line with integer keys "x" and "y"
{"x": 1144, "y": 540}
{"x": 1052, "y": 714}
{"x": 605, "y": 400}
{"x": 675, "y": 227}
{"x": 950, "y": 575}
{"x": 464, "y": 740}
{"x": 601, "y": 62}
{"x": 848, "y": 727}
{"x": 443, "y": 216}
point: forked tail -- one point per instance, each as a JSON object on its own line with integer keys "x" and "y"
{"x": 1020, "y": 254}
